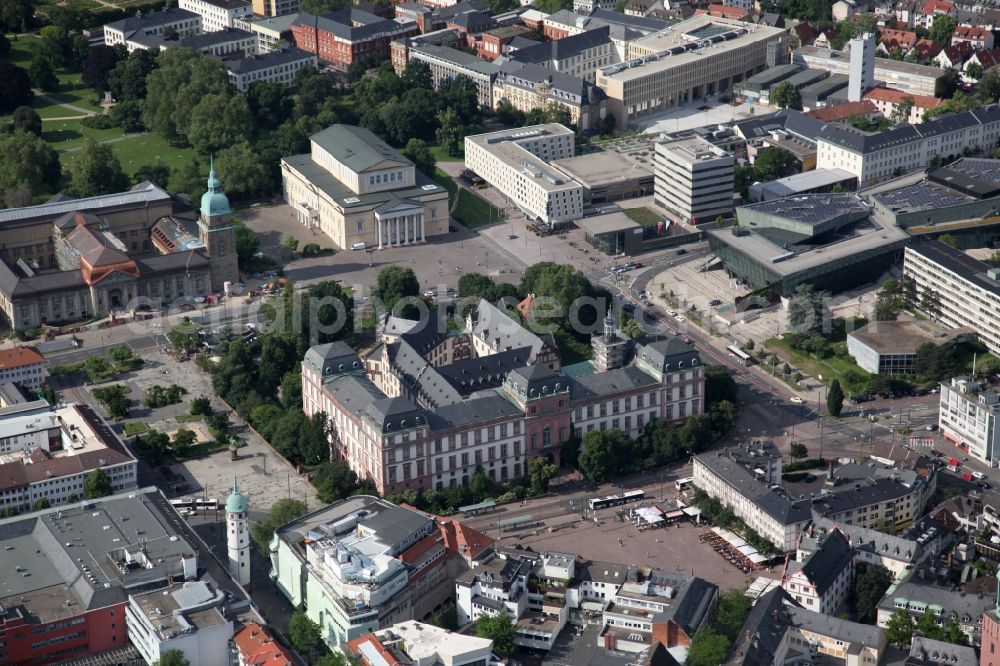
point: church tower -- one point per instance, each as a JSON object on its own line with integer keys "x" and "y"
{"x": 215, "y": 227}
{"x": 238, "y": 536}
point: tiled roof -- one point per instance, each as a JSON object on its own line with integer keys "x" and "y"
{"x": 844, "y": 111}
{"x": 19, "y": 357}
{"x": 258, "y": 648}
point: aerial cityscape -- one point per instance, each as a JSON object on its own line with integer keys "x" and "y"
{"x": 499, "y": 333}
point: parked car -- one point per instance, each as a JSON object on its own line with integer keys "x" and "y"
{"x": 714, "y": 302}
{"x": 681, "y": 251}
{"x": 797, "y": 400}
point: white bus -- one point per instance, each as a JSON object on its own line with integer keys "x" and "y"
{"x": 683, "y": 484}
{"x": 740, "y": 355}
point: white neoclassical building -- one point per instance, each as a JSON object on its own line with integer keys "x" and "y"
{"x": 357, "y": 189}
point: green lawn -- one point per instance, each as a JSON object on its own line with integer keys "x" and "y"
{"x": 643, "y": 216}
{"x": 473, "y": 211}
{"x": 831, "y": 367}
{"x": 76, "y": 94}
{"x": 65, "y": 134}
{"x": 21, "y": 51}
{"x": 150, "y": 148}
{"x": 445, "y": 181}
{"x": 442, "y": 156}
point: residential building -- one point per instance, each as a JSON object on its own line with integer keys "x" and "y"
{"x": 255, "y": 646}
{"x": 183, "y": 617}
{"x": 899, "y": 554}
{"x": 884, "y": 500}
{"x": 977, "y": 37}
{"x": 68, "y": 574}
{"x": 873, "y": 156}
{"x": 941, "y": 653}
{"x": 907, "y": 77}
{"x": 22, "y": 365}
{"x": 529, "y": 87}
{"x": 934, "y": 8}
{"x": 576, "y": 55}
{"x": 278, "y": 66}
{"x": 515, "y": 162}
{"x": 697, "y": 58}
{"x": 447, "y": 63}
{"x": 890, "y": 347}
{"x": 968, "y": 289}
{"x": 347, "y": 565}
{"x": 922, "y": 594}
{"x": 420, "y": 645}
{"x": 778, "y": 630}
{"x": 968, "y": 418}
{"x": 819, "y": 574}
{"x": 624, "y": 28}
{"x": 694, "y": 179}
{"x": 269, "y": 31}
{"x": 218, "y": 14}
{"x": 350, "y": 35}
{"x": 887, "y": 101}
{"x": 47, "y": 453}
{"x": 222, "y": 42}
{"x": 268, "y": 8}
{"x": 182, "y": 22}
{"x": 358, "y": 190}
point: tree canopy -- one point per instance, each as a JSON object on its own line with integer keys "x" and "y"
{"x": 499, "y": 628}
{"x": 97, "y": 485}
{"x": 95, "y": 170}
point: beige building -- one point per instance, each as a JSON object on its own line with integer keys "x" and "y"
{"x": 906, "y": 77}
{"x": 361, "y": 192}
{"x": 693, "y": 59}
{"x": 528, "y": 87}
{"x": 274, "y": 7}
{"x": 515, "y": 162}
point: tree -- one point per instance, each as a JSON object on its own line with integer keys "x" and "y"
{"x": 731, "y": 612}
{"x": 416, "y": 151}
{"x": 185, "y": 336}
{"x": 16, "y": 86}
{"x": 4, "y": 46}
{"x": 27, "y": 160}
{"x": 219, "y": 121}
{"x": 55, "y": 45}
{"x": 26, "y": 119}
{"x": 304, "y": 634}
{"x": 183, "y": 438}
{"x": 43, "y": 74}
{"x": 172, "y": 658}
{"x": 785, "y": 96}
{"x": 182, "y": 81}
{"x": 949, "y": 240}
{"x": 127, "y": 114}
{"x": 395, "y": 283}
{"x": 450, "y": 132}
{"x": 334, "y": 480}
{"x": 901, "y": 112}
{"x": 899, "y": 628}
{"x": 282, "y": 512}
{"x": 127, "y": 80}
{"x": 154, "y": 173}
{"x": 189, "y": 179}
{"x": 417, "y": 75}
{"x": 799, "y": 450}
{"x": 480, "y": 484}
{"x": 540, "y": 472}
{"x": 935, "y": 362}
{"x": 269, "y": 103}
{"x": 835, "y": 399}
{"x": 70, "y": 18}
{"x": 708, "y": 648}
{"x": 564, "y": 286}
{"x": 974, "y": 71}
{"x": 869, "y": 588}
{"x": 323, "y": 6}
{"x": 720, "y": 385}
{"x": 16, "y": 15}
{"x": 499, "y": 628}
{"x": 599, "y": 459}
{"x": 95, "y": 170}
{"x": 101, "y": 60}
{"x": 930, "y": 302}
{"x": 772, "y": 164}
{"x": 988, "y": 86}
{"x": 201, "y": 406}
{"x": 247, "y": 242}
{"x": 807, "y": 311}
{"x": 569, "y": 452}
{"x": 290, "y": 243}
{"x": 242, "y": 172}
{"x": 942, "y": 27}
{"x": 97, "y": 485}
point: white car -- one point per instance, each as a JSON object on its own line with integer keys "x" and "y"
{"x": 671, "y": 313}
{"x": 797, "y": 400}
{"x": 681, "y": 319}
{"x": 978, "y": 475}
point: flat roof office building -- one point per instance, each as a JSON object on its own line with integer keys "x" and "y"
{"x": 694, "y": 179}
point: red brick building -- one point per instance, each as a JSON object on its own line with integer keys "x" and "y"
{"x": 347, "y": 36}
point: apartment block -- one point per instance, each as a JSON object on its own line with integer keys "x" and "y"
{"x": 968, "y": 417}
{"x": 218, "y": 14}
{"x": 278, "y": 66}
{"x": 694, "y": 179}
{"x": 873, "y": 156}
{"x": 22, "y": 365}
{"x": 696, "y": 58}
{"x": 184, "y": 617}
{"x": 447, "y": 63}
{"x": 154, "y": 24}
{"x": 268, "y": 8}
{"x": 515, "y": 162}
{"x": 969, "y": 289}
{"x": 350, "y": 35}
{"x": 576, "y": 55}
{"x": 268, "y": 30}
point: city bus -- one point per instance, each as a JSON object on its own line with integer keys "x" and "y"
{"x": 739, "y": 355}
{"x": 598, "y": 503}
{"x": 202, "y": 503}
{"x": 180, "y": 504}
{"x": 683, "y": 484}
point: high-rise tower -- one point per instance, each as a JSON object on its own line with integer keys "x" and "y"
{"x": 216, "y": 229}
{"x": 238, "y": 535}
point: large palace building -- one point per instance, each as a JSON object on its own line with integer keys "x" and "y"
{"x": 427, "y": 407}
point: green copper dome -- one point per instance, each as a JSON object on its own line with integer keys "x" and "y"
{"x": 237, "y": 502}
{"x": 214, "y": 202}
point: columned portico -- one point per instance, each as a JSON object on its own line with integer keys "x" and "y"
{"x": 400, "y": 227}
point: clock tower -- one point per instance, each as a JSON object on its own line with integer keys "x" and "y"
{"x": 215, "y": 227}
